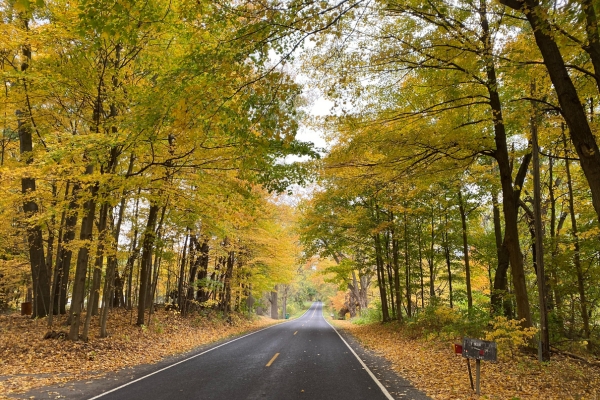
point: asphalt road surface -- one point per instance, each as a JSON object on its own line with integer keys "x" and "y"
{"x": 301, "y": 359}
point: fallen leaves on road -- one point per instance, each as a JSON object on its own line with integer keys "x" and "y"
{"x": 28, "y": 361}
{"x": 433, "y": 367}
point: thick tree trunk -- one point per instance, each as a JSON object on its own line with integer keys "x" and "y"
{"x": 39, "y": 271}
{"x": 539, "y": 244}
{"x": 274, "y": 307}
{"x": 500, "y": 287}
{"x": 147, "y": 251}
{"x": 511, "y": 234}
{"x": 571, "y": 105}
{"x": 501, "y": 303}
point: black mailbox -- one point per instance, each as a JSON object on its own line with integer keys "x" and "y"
{"x": 479, "y": 349}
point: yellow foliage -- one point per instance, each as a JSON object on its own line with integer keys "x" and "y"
{"x": 509, "y": 335}
{"x": 338, "y": 300}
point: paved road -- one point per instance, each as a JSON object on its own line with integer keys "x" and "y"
{"x": 301, "y": 359}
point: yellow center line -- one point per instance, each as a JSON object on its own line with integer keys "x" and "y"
{"x": 272, "y": 359}
{"x": 295, "y": 332}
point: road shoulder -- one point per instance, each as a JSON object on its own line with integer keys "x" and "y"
{"x": 397, "y": 386}
{"x": 86, "y": 388}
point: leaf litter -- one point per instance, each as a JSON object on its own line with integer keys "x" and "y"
{"x": 431, "y": 366}
{"x": 28, "y": 361}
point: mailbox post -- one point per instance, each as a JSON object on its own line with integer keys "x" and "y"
{"x": 479, "y": 350}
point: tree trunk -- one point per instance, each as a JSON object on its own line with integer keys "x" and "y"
{"x": 407, "y": 269}
{"x": 511, "y": 234}
{"x": 463, "y": 219}
{"x": 135, "y": 249}
{"x": 147, "y": 251}
{"x": 202, "y": 294}
{"x": 499, "y": 300}
{"x": 539, "y": 237}
{"x": 112, "y": 274}
{"x": 571, "y": 106}
{"x": 180, "y": 296}
{"x": 195, "y": 259}
{"x": 421, "y": 265}
{"x": 576, "y": 255}
{"x": 94, "y": 296}
{"x": 39, "y": 272}
{"x": 446, "y": 245}
{"x": 99, "y": 263}
{"x": 228, "y": 280}
{"x": 64, "y": 253}
{"x": 396, "y": 263}
{"x": 381, "y": 279}
{"x": 274, "y": 308}
{"x": 85, "y": 234}
{"x": 431, "y": 260}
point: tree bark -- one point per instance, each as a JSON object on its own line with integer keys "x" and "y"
{"x": 94, "y": 296}
{"x": 381, "y": 279}
{"x": 407, "y": 269}
{"x": 396, "y": 263}
{"x": 583, "y": 307}
{"x": 85, "y": 234}
{"x": 571, "y": 105}
{"x": 431, "y": 259}
{"x": 511, "y": 234}
{"x": 39, "y": 271}
{"x": 420, "y": 244}
{"x": 64, "y": 253}
{"x": 202, "y": 293}
{"x": 274, "y": 307}
{"x": 147, "y": 251}
{"x": 446, "y": 245}
{"x": 463, "y": 219}
{"x": 180, "y": 296}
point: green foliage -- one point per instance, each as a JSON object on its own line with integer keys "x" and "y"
{"x": 448, "y": 323}
{"x": 370, "y": 315}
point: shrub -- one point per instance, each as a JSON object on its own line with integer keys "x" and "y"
{"x": 509, "y": 335}
{"x": 370, "y": 315}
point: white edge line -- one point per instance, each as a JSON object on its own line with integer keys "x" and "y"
{"x": 383, "y": 389}
{"x": 194, "y": 356}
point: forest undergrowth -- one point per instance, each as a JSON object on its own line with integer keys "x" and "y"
{"x": 429, "y": 362}
{"x": 28, "y": 361}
